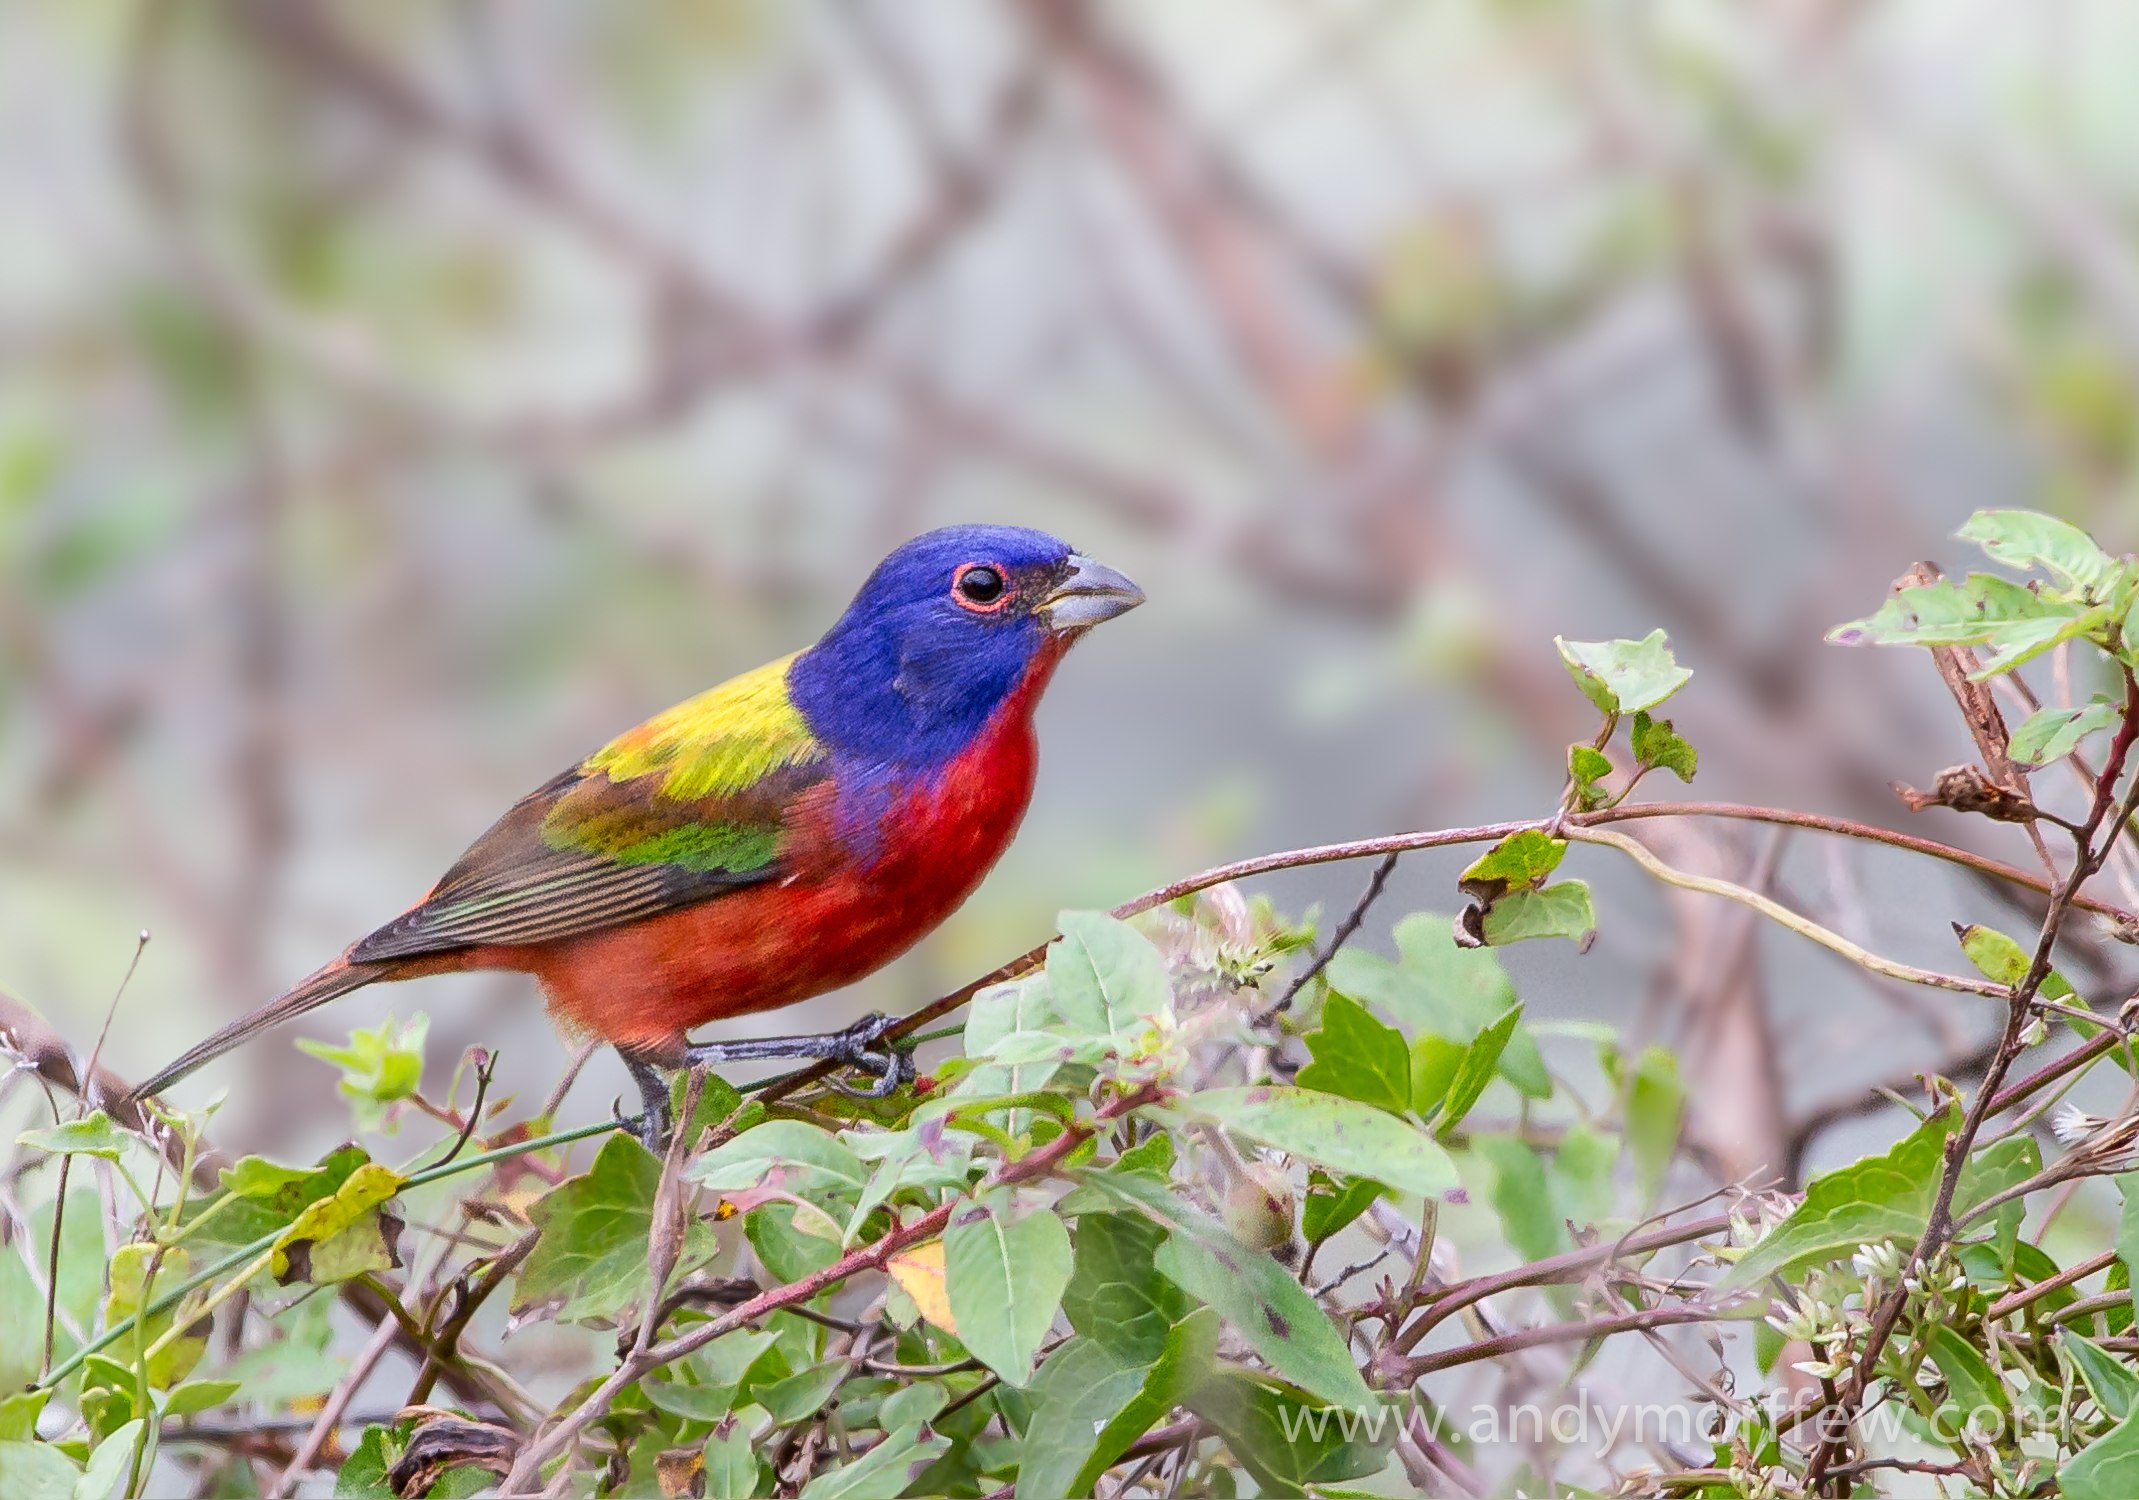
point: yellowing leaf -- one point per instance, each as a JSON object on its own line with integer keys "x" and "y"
{"x": 344, "y": 1234}
{"x": 920, "y": 1275}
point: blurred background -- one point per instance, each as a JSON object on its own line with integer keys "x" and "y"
{"x": 399, "y": 400}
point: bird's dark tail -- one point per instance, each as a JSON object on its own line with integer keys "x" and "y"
{"x": 337, "y": 978}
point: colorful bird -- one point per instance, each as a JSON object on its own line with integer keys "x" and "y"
{"x": 786, "y": 833}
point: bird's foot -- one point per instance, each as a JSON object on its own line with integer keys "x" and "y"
{"x": 866, "y": 1046}
{"x": 870, "y": 1049}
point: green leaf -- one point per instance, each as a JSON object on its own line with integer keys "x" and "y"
{"x": 1088, "y": 1406}
{"x": 94, "y": 1135}
{"x": 1341, "y": 1134}
{"x": 1521, "y": 859}
{"x": 1435, "y": 1062}
{"x": 1116, "y": 1297}
{"x": 595, "y": 1230}
{"x": 1005, "y": 1277}
{"x": 787, "y": 1156}
{"x": 19, "y": 1413}
{"x": 802, "y": 1394}
{"x": 790, "y": 1242}
{"x": 363, "y": 1472}
{"x": 108, "y": 1463}
{"x": 884, "y": 1472}
{"x": 2002, "y": 961}
{"x": 1105, "y": 977}
{"x": 1655, "y": 1111}
{"x": 1622, "y": 676}
{"x": 2111, "y": 1381}
{"x": 1521, "y": 1195}
{"x": 1358, "y": 1057}
{"x": 2030, "y": 539}
{"x": 1587, "y": 766}
{"x": 1269, "y": 1309}
{"x": 1440, "y": 989}
{"x": 731, "y": 1471}
{"x": 1002, "y": 1010}
{"x": 1561, "y": 910}
{"x": 2053, "y": 733}
{"x": 2015, "y": 645}
{"x": 379, "y": 1067}
{"x": 1881, "y": 1197}
{"x": 1969, "y": 612}
{"x": 1286, "y": 1439}
{"x": 2128, "y": 1224}
{"x": 1329, "y": 1207}
{"x": 347, "y": 1233}
{"x": 22, "y": 1306}
{"x": 1582, "y": 1166}
{"x": 2107, "y": 1468}
{"x": 1657, "y": 744}
{"x": 199, "y": 1396}
{"x": 36, "y": 1471}
{"x": 138, "y": 1277}
{"x": 1972, "y": 1385}
{"x": 1481, "y": 1059}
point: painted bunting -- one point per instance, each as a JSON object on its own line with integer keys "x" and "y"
{"x": 786, "y": 833}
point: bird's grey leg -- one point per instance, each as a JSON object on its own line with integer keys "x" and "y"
{"x": 653, "y": 1126}
{"x": 864, "y": 1046}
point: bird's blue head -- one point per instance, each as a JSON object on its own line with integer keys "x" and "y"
{"x": 943, "y": 633}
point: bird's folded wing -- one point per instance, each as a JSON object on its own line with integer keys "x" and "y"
{"x": 694, "y": 802}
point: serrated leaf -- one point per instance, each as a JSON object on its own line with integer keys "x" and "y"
{"x": 1559, "y": 910}
{"x": 1586, "y": 766}
{"x": 2051, "y": 734}
{"x": 1358, "y": 1057}
{"x": 595, "y": 1231}
{"x": 1622, "y": 676}
{"x": 1656, "y": 743}
{"x": 1104, "y": 976}
{"x": 2030, "y": 539}
{"x": 1340, "y": 1134}
{"x": 1005, "y": 1278}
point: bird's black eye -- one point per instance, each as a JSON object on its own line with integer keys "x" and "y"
{"x": 979, "y": 586}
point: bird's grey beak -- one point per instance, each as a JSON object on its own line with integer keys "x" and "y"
{"x": 1092, "y": 594}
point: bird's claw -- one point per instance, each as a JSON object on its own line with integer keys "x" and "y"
{"x": 891, "y": 1065}
{"x": 642, "y": 1125}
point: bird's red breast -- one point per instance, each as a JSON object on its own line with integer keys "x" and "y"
{"x": 854, "y": 903}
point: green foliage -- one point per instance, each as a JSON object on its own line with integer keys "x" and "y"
{"x": 380, "y": 1067}
{"x": 1149, "y": 1231}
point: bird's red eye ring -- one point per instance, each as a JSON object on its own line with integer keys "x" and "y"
{"x": 980, "y": 587}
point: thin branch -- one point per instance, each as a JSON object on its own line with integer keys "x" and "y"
{"x": 1344, "y": 933}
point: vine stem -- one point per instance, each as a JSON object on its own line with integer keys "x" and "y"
{"x": 1939, "y": 1227}
{"x": 1384, "y": 845}
{"x": 873, "y": 1256}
